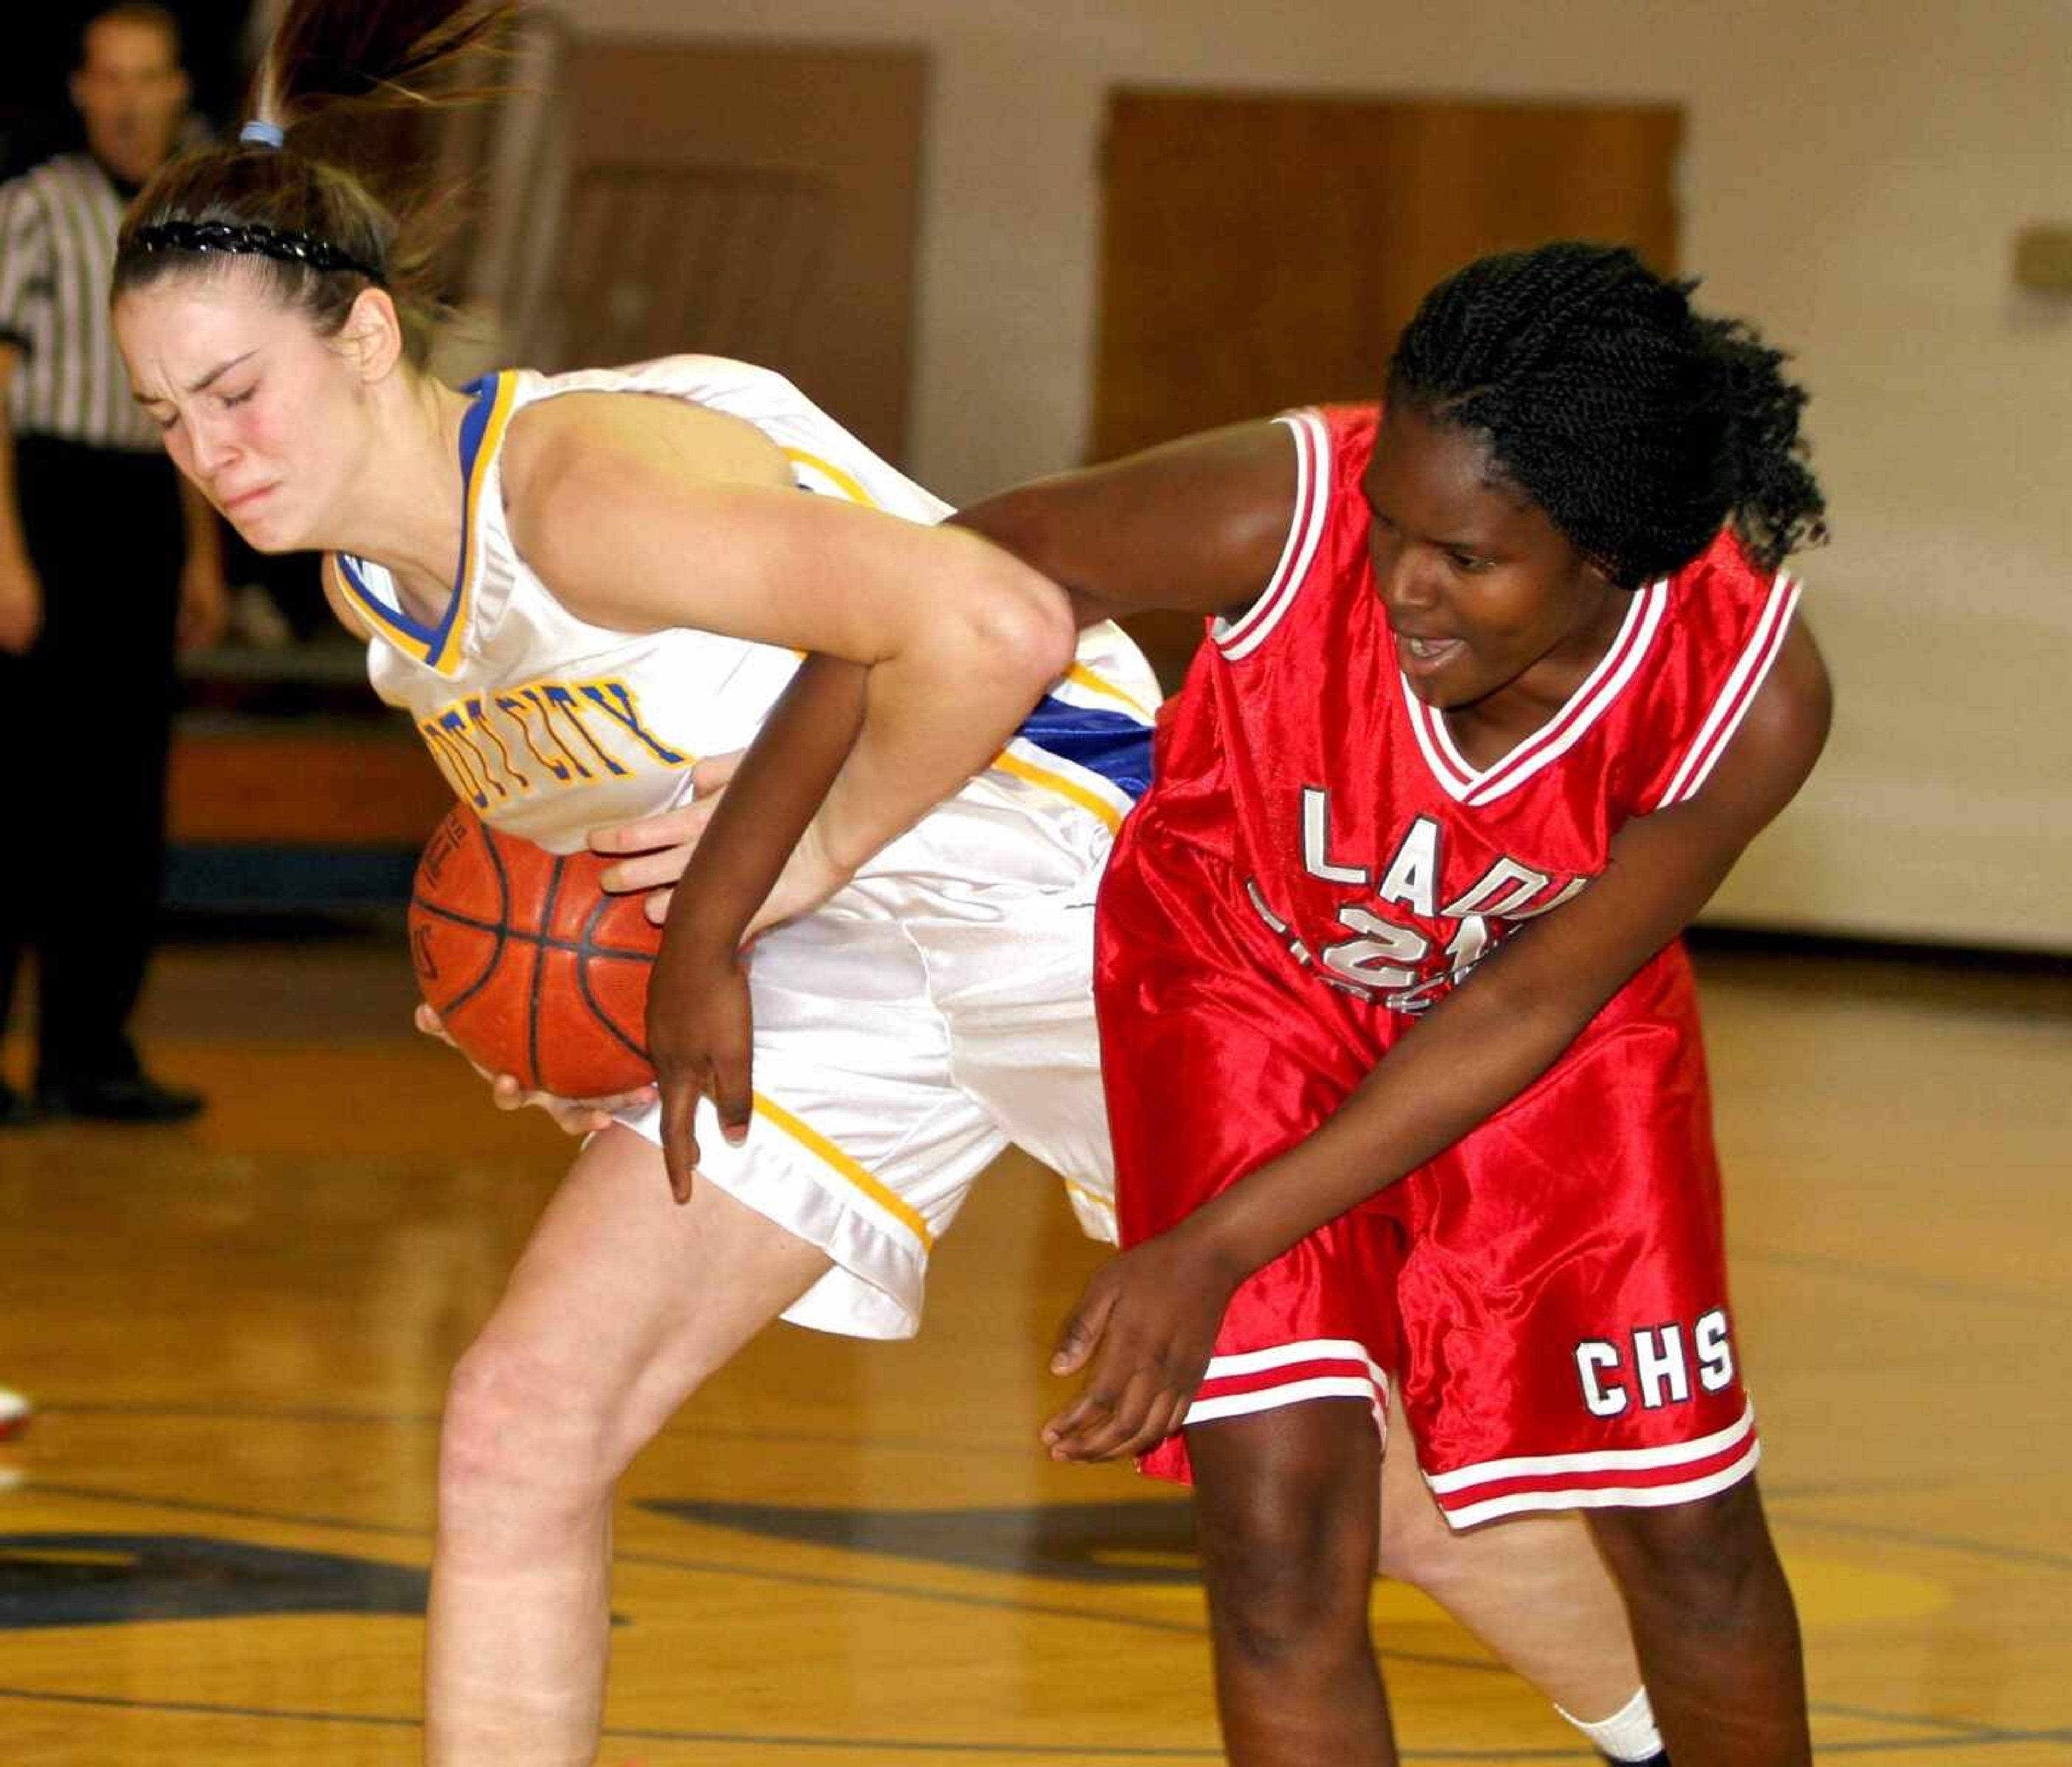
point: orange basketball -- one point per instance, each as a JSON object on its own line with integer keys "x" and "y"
{"x": 536, "y": 970}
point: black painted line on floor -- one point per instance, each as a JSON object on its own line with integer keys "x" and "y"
{"x": 1979, "y": 1549}
{"x": 222, "y": 1511}
{"x": 2026, "y": 1557}
{"x": 740, "y": 1739}
{"x": 1811, "y": 1489}
{"x": 991, "y": 1750}
{"x": 687, "y": 1427}
{"x": 230, "y": 1414}
{"x": 722, "y": 1567}
{"x": 201, "y": 1709}
{"x": 1962, "y": 1727}
{"x": 955, "y": 1598}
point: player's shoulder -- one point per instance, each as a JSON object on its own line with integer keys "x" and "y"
{"x": 1352, "y": 426}
{"x": 1762, "y": 702}
{"x": 31, "y": 180}
{"x": 1334, "y": 445}
{"x": 1336, "y": 440}
{"x": 1725, "y": 612}
{"x": 1727, "y": 595}
{"x": 568, "y": 438}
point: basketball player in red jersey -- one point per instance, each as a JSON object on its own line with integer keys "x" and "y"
{"x": 1403, "y": 1058}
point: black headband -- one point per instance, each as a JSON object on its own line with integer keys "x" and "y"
{"x": 260, "y": 241}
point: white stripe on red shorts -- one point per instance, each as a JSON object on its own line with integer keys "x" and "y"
{"x": 1258, "y": 1380}
{"x": 1606, "y": 1479}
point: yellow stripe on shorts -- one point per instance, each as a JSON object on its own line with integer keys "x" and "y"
{"x": 1085, "y": 677}
{"x": 1073, "y": 1188}
{"x": 815, "y": 1143}
{"x": 1057, "y": 783}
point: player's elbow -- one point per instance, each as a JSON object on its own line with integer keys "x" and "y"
{"x": 1021, "y": 627}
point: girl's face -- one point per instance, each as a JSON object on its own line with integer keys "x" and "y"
{"x": 1480, "y": 587}
{"x": 271, "y": 420}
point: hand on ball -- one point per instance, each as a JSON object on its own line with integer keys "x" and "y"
{"x": 575, "y": 1117}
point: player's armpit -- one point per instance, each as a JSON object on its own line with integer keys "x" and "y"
{"x": 1196, "y": 525}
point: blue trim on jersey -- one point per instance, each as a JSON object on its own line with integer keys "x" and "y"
{"x": 1112, "y": 744}
{"x": 396, "y": 615}
{"x": 482, "y": 390}
{"x": 474, "y": 424}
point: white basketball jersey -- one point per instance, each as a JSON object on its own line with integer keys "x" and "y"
{"x": 550, "y": 726}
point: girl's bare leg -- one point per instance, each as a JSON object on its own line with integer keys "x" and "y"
{"x": 1534, "y": 1589}
{"x": 621, "y": 1304}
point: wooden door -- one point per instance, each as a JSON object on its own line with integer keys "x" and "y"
{"x": 1259, "y": 252}
{"x": 752, "y": 200}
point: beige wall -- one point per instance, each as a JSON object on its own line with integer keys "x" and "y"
{"x": 1856, "y": 171}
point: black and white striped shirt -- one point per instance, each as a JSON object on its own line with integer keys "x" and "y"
{"x": 58, "y": 225}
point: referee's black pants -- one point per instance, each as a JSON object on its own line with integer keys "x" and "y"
{"x": 85, "y": 720}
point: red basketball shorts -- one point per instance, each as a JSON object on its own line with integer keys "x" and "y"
{"x": 1550, "y": 1292}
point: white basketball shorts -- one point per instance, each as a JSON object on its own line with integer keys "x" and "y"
{"x": 905, "y": 1034}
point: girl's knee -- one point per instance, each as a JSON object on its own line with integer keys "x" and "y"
{"x": 520, "y": 1427}
{"x": 1279, "y": 1596}
{"x": 1287, "y": 1518}
{"x": 1699, "y": 1555}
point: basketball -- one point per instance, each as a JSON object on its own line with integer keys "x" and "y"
{"x": 535, "y": 970}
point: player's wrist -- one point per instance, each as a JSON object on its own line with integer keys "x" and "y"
{"x": 1216, "y": 1239}
{"x": 702, "y": 933}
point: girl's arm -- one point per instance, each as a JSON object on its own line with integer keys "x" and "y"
{"x": 647, "y": 514}
{"x": 1196, "y": 525}
{"x": 641, "y": 514}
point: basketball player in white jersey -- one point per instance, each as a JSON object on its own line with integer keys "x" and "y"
{"x": 637, "y": 570}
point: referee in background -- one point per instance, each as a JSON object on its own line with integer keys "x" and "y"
{"x": 108, "y": 565}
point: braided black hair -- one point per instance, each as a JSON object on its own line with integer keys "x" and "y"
{"x": 1639, "y": 427}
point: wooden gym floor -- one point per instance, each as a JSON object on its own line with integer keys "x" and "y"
{"x": 213, "y": 1539}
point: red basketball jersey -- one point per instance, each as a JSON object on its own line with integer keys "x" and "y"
{"x": 1299, "y": 762}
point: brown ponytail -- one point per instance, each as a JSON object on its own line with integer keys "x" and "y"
{"x": 314, "y": 233}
